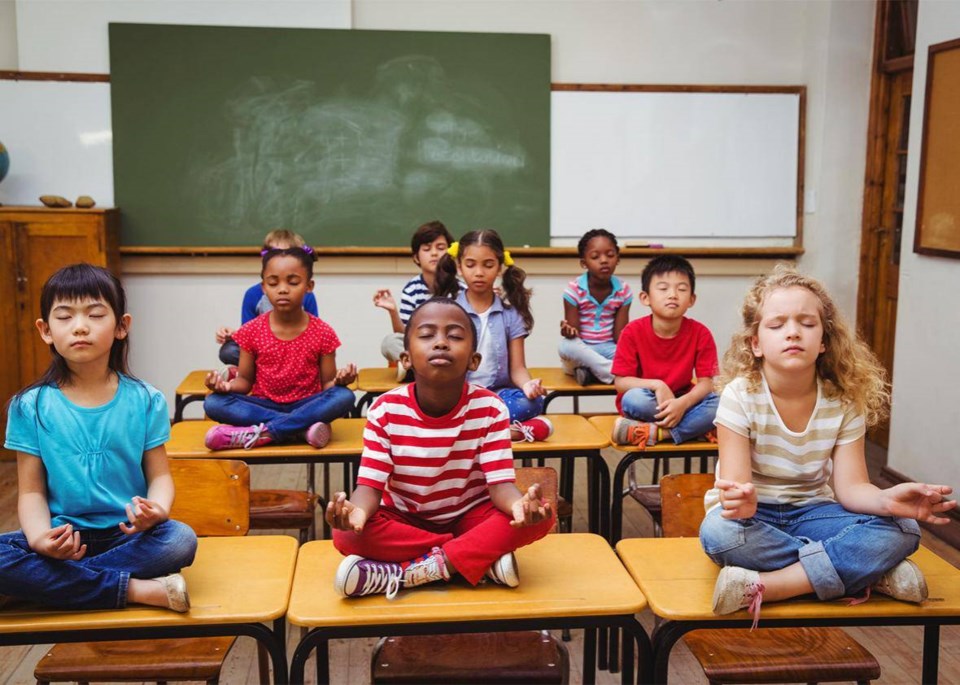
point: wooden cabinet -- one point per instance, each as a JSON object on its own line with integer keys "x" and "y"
{"x": 35, "y": 242}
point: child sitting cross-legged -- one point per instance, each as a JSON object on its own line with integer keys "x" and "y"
{"x": 656, "y": 358}
{"x": 435, "y": 492}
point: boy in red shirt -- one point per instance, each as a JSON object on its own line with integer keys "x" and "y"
{"x": 665, "y": 363}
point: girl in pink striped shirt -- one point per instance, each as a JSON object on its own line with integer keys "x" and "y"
{"x": 435, "y": 492}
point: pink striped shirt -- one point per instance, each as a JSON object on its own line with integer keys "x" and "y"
{"x": 596, "y": 318}
{"x": 436, "y": 467}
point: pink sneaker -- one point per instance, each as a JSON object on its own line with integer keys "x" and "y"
{"x": 318, "y": 435}
{"x": 536, "y": 429}
{"x": 225, "y": 437}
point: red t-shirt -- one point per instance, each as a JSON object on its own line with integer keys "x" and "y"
{"x": 287, "y": 370}
{"x": 641, "y": 353}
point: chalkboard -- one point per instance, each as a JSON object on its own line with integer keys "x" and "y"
{"x": 347, "y": 137}
{"x": 680, "y": 163}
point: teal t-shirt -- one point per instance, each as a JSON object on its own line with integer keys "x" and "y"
{"x": 93, "y": 456}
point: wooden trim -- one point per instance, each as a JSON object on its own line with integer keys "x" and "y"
{"x": 675, "y": 88}
{"x": 949, "y": 533}
{"x": 785, "y": 252}
{"x": 6, "y": 75}
{"x": 897, "y": 64}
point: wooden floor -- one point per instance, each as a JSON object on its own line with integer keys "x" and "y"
{"x": 897, "y": 649}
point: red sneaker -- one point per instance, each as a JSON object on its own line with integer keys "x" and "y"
{"x": 536, "y": 429}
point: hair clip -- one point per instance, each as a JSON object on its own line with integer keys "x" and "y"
{"x": 264, "y": 251}
{"x": 507, "y": 259}
{"x": 454, "y": 249}
{"x": 307, "y": 249}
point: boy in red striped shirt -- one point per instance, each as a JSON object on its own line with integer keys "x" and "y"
{"x": 435, "y": 492}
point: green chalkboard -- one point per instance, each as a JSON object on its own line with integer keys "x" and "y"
{"x": 347, "y": 137}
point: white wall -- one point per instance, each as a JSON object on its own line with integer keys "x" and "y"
{"x": 926, "y": 365}
{"x": 823, "y": 45}
{"x": 8, "y": 35}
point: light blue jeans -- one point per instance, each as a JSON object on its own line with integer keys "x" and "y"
{"x": 596, "y": 357}
{"x": 283, "y": 421}
{"x": 520, "y": 408}
{"x": 99, "y": 580}
{"x": 641, "y": 404}
{"x": 842, "y": 552}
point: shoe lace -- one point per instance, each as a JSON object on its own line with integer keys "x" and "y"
{"x": 524, "y": 430}
{"x": 854, "y": 601}
{"x": 247, "y": 438}
{"x": 382, "y": 578}
{"x": 755, "y": 595}
{"x": 426, "y": 569}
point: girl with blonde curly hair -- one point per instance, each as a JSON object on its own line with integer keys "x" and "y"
{"x": 799, "y": 390}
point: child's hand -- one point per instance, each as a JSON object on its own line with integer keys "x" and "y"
{"x": 529, "y": 509}
{"x": 223, "y": 334}
{"x": 919, "y": 501}
{"x": 384, "y": 300}
{"x": 216, "y": 383}
{"x": 663, "y": 393}
{"x": 62, "y": 542}
{"x": 346, "y": 375}
{"x": 533, "y": 389}
{"x": 670, "y": 412}
{"x": 142, "y": 514}
{"x": 738, "y": 500}
{"x": 568, "y": 331}
{"x": 343, "y": 515}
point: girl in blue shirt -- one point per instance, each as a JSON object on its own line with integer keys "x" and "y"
{"x": 94, "y": 487}
{"x": 502, "y": 325}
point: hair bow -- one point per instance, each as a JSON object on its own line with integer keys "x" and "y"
{"x": 454, "y": 249}
{"x": 507, "y": 259}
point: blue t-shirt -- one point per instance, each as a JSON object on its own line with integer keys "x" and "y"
{"x": 93, "y": 456}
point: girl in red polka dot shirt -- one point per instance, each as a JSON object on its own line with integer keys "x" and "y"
{"x": 288, "y": 366}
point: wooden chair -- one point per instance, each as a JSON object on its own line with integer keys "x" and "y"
{"x": 285, "y": 509}
{"x": 766, "y": 655}
{"x": 213, "y": 498}
{"x": 529, "y": 656}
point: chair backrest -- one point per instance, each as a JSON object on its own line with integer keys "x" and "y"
{"x": 212, "y": 495}
{"x": 547, "y": 477}
{"x": 681, "y": 501}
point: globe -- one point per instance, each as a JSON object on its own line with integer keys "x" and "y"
{"x": 4, "y": 161}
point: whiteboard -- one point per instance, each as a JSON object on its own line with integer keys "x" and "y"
{"x": 60, "y": 141}
{"x": 675, "y": 165}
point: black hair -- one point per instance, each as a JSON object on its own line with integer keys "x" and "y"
{"x": 596, "y": 233}
{"x": 427, "y": 233}
{"x": 512, "y": 278}
{"x": 79, "y": 282}
{"x": 665, "y": 264}
{"x": 444, "y": 301}
{"x": 304, "y": 255}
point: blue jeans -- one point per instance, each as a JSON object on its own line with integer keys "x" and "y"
{"x": 230, "y": 353}
{"x": 99, "y": 580}
{"x": 641, "y": 404}
{"x": 842, "y": 552}
{"x": 520, "y": 408}
{"x": 596, "y": 357}
{"x": 285, "y": 421}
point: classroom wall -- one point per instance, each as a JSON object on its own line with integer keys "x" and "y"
{"x": 823, "y": 45}
{"x": 926, "y": 363}
{"x": 8, "y": 34}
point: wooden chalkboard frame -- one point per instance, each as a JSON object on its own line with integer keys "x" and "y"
{"x": 799, "y": 90}
{"x": 939, "y": 155}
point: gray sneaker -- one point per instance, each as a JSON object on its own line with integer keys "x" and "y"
{"x": 904, "y": 581}
{"x": 583, "y": 376}
{"x": 738, "y": 588}
{"x": 504, "y": 571}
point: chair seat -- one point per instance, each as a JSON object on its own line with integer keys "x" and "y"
{"x": 781, "y": 655}
{"x": 136, "y": 660}
{"x": 528, "y": 656}
{"x": 281, "y": 508}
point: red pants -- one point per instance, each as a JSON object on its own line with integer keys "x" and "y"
{"x": 472, "y": 542}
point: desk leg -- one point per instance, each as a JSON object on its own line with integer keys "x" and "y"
{"x": 616, "y": 510}
{"x": 315, "y": 639}
{"x": 633, "y": 633}
{"x": 177, "y": 409}
{"x": 931, "y": 653}
{"x": 589, "y": 656}
{"x": 665, "y": 636}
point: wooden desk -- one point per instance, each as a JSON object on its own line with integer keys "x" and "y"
{"x": 677, "y": 579}
{"x": 236, "y": 585}
{"x": 663, "y": 450}
{"x": 559, "y": 384}
{"x": 372, "y": 383}
{"x": 191, "y": 389}
{"x": 594, "y": 592}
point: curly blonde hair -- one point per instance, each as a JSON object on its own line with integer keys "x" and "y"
{"x": 848, "y": 367}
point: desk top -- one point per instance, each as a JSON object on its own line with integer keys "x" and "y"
{"x": 378, "y": 379}
{"x": 232, "y": 580}
{"x": 678, "y": 578}
{"x": 194, "y": 384}
{"x": 555, "y": 380}
{"x": 604, "y": 424}
{"x": 550, "y": 587}
{"x": 570, "y": 433}
{"x": 186, "y": 441}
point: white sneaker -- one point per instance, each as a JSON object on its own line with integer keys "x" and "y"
{"x": 738, "y": 588}
{"x": 504, "y": 571}
{"x": 904, "y": 581}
